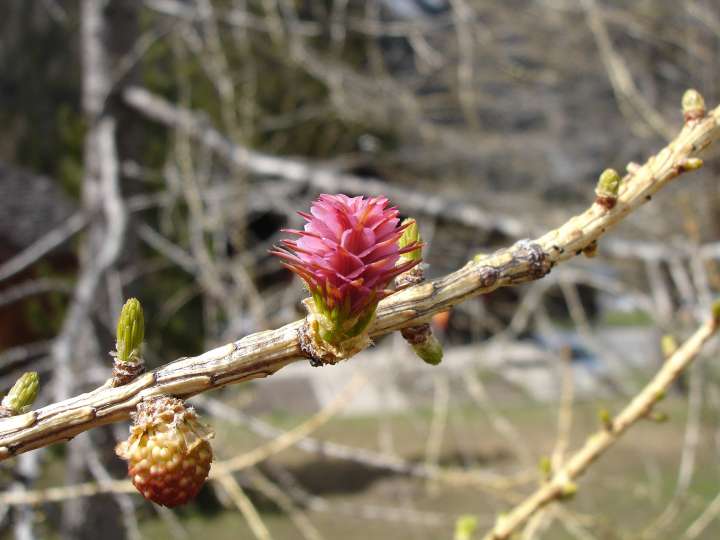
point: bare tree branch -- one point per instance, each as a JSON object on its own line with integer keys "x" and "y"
{"x": 560, "y": 484}
{"x": 321, "y": 178}
{"x": 43, "y": 246}
{"x": 262, "y": 354}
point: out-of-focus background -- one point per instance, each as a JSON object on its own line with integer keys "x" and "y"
{"x": 155, "y": 148}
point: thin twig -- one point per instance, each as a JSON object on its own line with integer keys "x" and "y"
{"x": 245, "y": 505}
{"x": 364, "y": 456}
{"x": 435, "y": 437}
{"x": 561, "y": 482}
{"x": 710, "y": 514}
{"x": 43, "y": 245}
{"x": 248, "y": 459}
{"x": 304, "y": 526}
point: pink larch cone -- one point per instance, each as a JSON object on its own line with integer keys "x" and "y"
{"x": 347, "y": 255}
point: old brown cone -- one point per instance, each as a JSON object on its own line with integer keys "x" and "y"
{"x": 168, "y": 452}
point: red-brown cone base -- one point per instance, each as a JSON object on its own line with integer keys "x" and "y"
{"x": 162, "y": 474}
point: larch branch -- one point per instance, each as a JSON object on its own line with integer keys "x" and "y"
{"x": 561, "y": 482}
{"x": 263, "y": 353}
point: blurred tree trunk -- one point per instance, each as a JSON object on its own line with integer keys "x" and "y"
{"x": 105, "y": 35}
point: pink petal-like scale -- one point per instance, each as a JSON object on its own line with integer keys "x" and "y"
{"x": 348, "y": 250}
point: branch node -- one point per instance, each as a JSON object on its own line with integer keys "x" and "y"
{"x": 633, "y": 167}
{"x": 530, "y": 255}
{"x": 591, "y": 249}
{"x": 125, "y": 372}
{"x": 321, "y": 353}
{"x": 487, "y": 276}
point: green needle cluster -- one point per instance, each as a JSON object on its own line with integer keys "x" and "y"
{"x": 130, "y": 332}
{"x": 23, "y": 393}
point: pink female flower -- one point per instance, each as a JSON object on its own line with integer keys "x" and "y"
{"x": 347, "y": 254}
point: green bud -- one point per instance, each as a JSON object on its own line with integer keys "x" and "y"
{"x": 605, "y": 419}
{"x": 465, "y": 527}
{"x": 693, "y": 105}
{"x": 545, "y": 466}
{"x": 569, "y": 489}
{"x": 130, "y": 332}
{"x": 668, "y": 345}
{"x": 410, "y": 236}
{"x": 479, "y": 257}
{"x": 430, "y": 350}
{"x": 716, "y": 311}
{"x": 692, "y": 164}
{"x": 23, "y": 393}
{"x": 659, "y": 416}
{"x": 608, "y": 184}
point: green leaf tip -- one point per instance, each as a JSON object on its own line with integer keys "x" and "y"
{"x": 465, "y": 527}
{"x": 130, "y": 331}
{"x": 693, "y": 105}
{"x": 23, "y": 393}
{"x": 608, "y": 184}
{"x": 411, "y": 235}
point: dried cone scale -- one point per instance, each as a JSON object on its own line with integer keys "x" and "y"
{"x": 168, "y": 452}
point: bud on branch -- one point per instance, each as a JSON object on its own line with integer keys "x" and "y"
{"x": 693, "y": 105}
{"x": 21, "y": 395}
{"x": 607, "y": 189}
{"x": 130, "y": 335}
{"x": 420, "y": 337}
